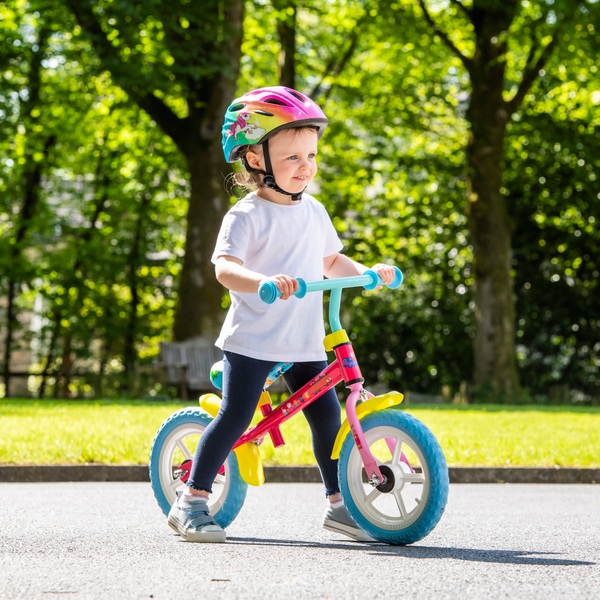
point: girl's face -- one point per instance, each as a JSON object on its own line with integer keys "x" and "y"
{"x": 293, "y": 154}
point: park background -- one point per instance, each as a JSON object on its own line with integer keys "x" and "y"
{"x": 463, "y": 146}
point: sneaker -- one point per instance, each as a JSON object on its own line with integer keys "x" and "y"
{"x": 192, "y": 521}
{"x": 339, "y": 520}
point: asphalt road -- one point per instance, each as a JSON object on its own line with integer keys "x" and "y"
{"x": 109, "y": 540}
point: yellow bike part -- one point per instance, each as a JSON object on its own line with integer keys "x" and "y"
{"x": 248, "y": 455}
{"x": 363, "y": 409}
{"x": 210, "y": 403}
{"x": 335, "y": 339}
{"x": 250, "y": 464}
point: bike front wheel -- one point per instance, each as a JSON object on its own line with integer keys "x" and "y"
{"x": 171, "y": 457}
{"x": 411, "y": 502}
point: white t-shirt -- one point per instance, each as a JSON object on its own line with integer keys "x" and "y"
{"x": 271, "y": 239}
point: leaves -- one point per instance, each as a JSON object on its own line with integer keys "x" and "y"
{"x": 102, "y": 254}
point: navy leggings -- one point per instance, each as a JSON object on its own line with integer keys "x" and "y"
{"x": 243, "y": 381}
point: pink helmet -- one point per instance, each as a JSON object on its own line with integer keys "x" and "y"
{"x": 258, "y": 114}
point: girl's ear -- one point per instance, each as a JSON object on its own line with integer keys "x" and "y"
{"x": 253, "y": 160}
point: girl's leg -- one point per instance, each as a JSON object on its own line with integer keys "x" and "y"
{"x": 243, "y": 381}
{"x": 324, "y": 420}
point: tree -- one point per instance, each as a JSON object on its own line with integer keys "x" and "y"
{"x": 100, "y": 239}
{"x": 402, "y": 136}
{"x": 179, "y": 62}
{"x": 90, "y": 215}
{"x": 553, "y": 197}
{"x": 30, "y": 147}
{"x": 500, "y": 79}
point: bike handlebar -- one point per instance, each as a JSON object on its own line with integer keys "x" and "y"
{"x": 269, "y": 292}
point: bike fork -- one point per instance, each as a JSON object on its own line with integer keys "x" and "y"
{"x": 359, "y": 394}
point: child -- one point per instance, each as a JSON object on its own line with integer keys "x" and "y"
{"x": 275, "y": 233}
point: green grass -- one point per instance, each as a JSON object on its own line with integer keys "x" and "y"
{"x": 121, "y": 432}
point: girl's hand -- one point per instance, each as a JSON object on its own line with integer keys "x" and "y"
{"x": 386, "y": 272}
{"x": 285, "y": 284}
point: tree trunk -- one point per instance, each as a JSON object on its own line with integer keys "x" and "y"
{"x": 133, "y": 263}
{"x": 494, "y": 345}
{"x": 214, "y": 35}
{"x": 32, "y": 178}
{"x": 49, "y": 358}
{"x": 286, "y": 31}
{"x": 199, "y": 300}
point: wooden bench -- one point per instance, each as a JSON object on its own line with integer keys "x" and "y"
{"x": 187, "y": 364}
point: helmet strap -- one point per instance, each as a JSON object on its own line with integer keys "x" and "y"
{"x": 269, "y": 178}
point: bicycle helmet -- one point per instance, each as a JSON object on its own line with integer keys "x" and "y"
{"x": 257, "y": 115}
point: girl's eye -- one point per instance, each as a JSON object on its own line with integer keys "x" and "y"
{"x": 296, "y": 157}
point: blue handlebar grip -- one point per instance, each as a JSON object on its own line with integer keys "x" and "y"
{"x": 302, "y": 288}
{"x": 268, "y": 292}
{"x": 376, "y": 280}
{"x": 398, "y": 279}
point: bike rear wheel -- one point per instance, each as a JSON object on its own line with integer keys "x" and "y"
{"x": 170, "y": 462}
{"x": 410, "y": 504}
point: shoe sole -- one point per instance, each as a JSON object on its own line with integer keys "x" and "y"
{"x": 207, "y": 537}
{"x": 357, "y": 535}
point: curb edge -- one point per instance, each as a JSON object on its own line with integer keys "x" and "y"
{"x": 297, "y": 474}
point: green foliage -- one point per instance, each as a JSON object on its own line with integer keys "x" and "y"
{"x": 98, "y": 258}
{"x": 552, "y": 191}
{"x": 109, "y": 225}
{"x": 556, "y": 258}
{"x": 396, "y": 191}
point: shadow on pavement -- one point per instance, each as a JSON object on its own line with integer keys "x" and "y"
{"x": 515, "y": 557}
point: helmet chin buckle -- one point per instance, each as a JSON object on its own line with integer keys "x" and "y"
{"x": 270, "y": 182}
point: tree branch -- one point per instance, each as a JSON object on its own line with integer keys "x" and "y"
{"x": 536, "y": 60}
{"x": 466, "y": 11}
{"x": 530, "y": 74}
{"x": 335, "y": 66}
{"x": 466, "y": 61}
{"x": 125, "y": 74}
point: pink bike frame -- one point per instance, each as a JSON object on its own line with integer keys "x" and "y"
{"x": 343, "y": 368}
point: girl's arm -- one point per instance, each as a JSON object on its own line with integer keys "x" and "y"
{"x": 339, "y": 265}
{"x": 232, "y": 274}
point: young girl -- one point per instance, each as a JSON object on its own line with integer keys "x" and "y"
{"x": 277, "y": 233}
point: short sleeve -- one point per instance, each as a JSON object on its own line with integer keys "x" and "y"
{"x": 234, "y": 236}
{"x": 332, "y": 244}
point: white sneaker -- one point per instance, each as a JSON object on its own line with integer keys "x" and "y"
{"x": 339, "y": 520}
{"x": 192, "y": 521}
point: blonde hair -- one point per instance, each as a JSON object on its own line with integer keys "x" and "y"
{"x": 247, "y": 177}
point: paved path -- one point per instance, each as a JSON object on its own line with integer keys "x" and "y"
{"x": 109, "y": 540}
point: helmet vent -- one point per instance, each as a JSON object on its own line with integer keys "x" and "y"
{"x": 263, "y": 112}
{"x": 276, "y": 101}
{"x": 237, "y": 107}
{"x": 297, "y": 95}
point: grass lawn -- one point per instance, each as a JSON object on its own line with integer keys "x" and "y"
{"x": 121, "y": 432}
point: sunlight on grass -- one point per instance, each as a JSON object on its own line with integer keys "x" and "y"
{"x": 500, "y": 436}
{"x": 79, "y": 432}
{"x": 107, "y": 432}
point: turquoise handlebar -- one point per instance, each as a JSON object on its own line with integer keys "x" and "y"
{"x": 269, "y": 292}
